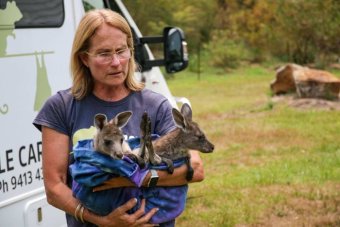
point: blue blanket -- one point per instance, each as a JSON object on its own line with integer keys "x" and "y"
{"x": 92, "y": 168}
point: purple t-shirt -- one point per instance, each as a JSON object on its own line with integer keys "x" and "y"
{"x": 67, "y": 115}
{"x": 63, "y": 113}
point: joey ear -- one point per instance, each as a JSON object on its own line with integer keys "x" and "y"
{"x": 186, "y": 111}
{"x": 122, "y": 118}
{"x": 179, "y": 119}
{"x": 100, "y": 120}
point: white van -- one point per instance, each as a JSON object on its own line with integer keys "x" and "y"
{"x": 35, "y": 46}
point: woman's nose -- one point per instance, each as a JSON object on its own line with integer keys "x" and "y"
{"x": 115, "y": 60}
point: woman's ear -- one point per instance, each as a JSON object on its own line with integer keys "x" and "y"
{"x": 84, "y": 58}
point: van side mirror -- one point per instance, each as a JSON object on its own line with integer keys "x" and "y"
{"x": 175, "y": 50}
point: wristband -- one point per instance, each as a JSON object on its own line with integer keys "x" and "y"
{"x": 153, "y": 178}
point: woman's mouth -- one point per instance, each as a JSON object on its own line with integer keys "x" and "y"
{"x": 114, "y": 73}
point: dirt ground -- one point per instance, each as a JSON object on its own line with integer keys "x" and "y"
{"x": 304, "y": 206}
{"x": 307, "y": 103}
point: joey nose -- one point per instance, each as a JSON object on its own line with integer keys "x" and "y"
{"x": 119, "y": 155}
{"x": 208, "y": 148}
{"x": 211, "y": 148}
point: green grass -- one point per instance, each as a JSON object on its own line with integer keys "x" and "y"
{"x": 267, "y": 154}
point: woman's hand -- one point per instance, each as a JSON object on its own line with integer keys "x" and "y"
{"x": 120, "y": 217}
{"x": 197, "y": 165}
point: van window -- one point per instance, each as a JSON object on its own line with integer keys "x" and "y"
{"x": 99, "y": 4}
{"x": 33, "y": 14}
{"x": 93, "y": 4}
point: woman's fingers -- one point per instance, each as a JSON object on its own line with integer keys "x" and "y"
{"x": 138, "y": 218}
{"x": 146, "y": 218}
{"x": 140, "y": 215}
{"x": 127, "y": 206}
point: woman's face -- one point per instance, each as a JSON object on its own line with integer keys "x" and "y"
{"x": 106, "y": 71}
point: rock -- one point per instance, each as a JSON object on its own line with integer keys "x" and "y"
{"x": 306, "y": 82}
{"x": 312, "y": 83}
{"x": 284, "y": 81}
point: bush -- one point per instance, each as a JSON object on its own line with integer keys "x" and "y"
{"x": 229, "y": 54}
{"x": 226, "y": 53}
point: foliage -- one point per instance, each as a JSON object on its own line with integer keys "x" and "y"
{"x": 299, "y": 31}
{"x": 250, "y": 21}
{"x": 194, "y": 16}
{"x": 225, "y": 53}
{"x": 151, "y": 20}
{"x": 309, "y": 29}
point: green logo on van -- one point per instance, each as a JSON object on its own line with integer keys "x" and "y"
{"x": 43, "y": 90}
{"x": 4, "y": 109}
{"x": 8, "y": 17}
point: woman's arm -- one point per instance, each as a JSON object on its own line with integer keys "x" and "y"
{"x": 178, "y": 177}
{"x": 165, "y": 179}
{"x": 55, "y": 165}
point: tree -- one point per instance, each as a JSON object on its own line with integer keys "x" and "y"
{"x": 308, "y": 29}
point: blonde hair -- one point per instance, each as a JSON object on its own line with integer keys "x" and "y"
{"x": 81, "y": 77}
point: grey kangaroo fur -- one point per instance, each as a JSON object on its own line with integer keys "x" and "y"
{"x": 109, "y": 138}
{"x": 175, "y": 144}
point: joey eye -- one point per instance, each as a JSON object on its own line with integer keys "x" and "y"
{"x": 107, "y": 142}
{"x": 201, "y": 137}
{"x": 121, "y": 141}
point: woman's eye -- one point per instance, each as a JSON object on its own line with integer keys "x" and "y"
{"x": 105, "y": 54}
{"x": 120, "y": 52}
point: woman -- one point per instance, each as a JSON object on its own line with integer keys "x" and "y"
{"x": 102, "y": 66}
